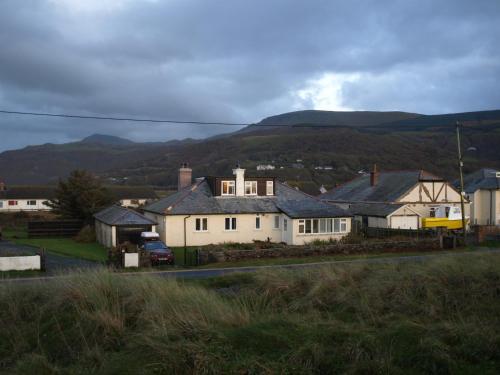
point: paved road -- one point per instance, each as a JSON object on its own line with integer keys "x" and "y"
{"x": 54, "y": 263}
{"x": 213, "y": 272}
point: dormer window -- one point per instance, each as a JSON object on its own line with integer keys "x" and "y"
{"x": 250, "y": 187}
{"x": 269, "y": 187}
{"x": 228, "y": 188}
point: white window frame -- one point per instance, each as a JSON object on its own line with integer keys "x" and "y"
{"x": 31, "y": 202}
{"x": 322, "y": 226}
{"x": 269, "y": 187}
{"x": 201, "y": 223}
{"x": 277, "y": 222}
{"x": 258, "y": 222}
{"x": 252, "y": 186}
{"x": 233, "y": 225}
{"x": 231, "y": 185}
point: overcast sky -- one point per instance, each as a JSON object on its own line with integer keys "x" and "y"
{"x": 237, "y": 61}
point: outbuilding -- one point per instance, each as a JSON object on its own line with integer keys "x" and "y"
{"x": 385, "y": 215}
{"x": 115, "y": 225}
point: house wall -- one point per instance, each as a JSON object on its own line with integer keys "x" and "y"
{"x": 171, "y": 230}
{"x": 22, "y": 205}
{"x": 105, "y": 234}
{"x": 431, "y": 192}
{"x": 485, "y": 207}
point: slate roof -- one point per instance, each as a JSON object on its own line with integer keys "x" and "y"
{"x": 118, "y": 215}
{"x": 482, "y": 179}
{"x": 199, "y": 200}
{"x": 28, "y": 192}
{"x": 389, "y": 188}
{"x": 374, "y": 209}
{"x": 48, "y": 192}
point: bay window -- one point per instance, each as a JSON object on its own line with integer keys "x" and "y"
{"x": 320, "y": 226}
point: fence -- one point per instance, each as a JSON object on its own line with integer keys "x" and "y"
{"x": 54, "y": 228}
{"x": 370, "y": 232}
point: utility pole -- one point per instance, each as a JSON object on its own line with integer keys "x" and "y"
{"x": 460, "y": 166}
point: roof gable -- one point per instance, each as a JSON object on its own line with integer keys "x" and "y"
{"x": 118, "y": 215}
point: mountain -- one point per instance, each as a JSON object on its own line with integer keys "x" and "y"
{"x": 106, "y": 140}
{"x": 423, "y": 142}
{"x": 337, "y": 118}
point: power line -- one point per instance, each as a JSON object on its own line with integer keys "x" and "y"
{"x": 132, "y": 119}
{"x": 121, "y": 118}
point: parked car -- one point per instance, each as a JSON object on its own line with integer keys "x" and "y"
{"x": 159, "y": 252}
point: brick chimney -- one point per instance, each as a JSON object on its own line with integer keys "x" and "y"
{"x": 185, "y": 176}
{"x": 240, "y": 180}
{"x": 374, "y": 176}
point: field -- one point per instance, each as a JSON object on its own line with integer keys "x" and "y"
{"x": 62, "y": 246}
{"x": 435, "y": 317}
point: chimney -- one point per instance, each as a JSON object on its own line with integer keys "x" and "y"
{"x": 240, "y": 180}
{"x": 185, "y": 176}
{"x": 374, "y": 176}
{"x": 2, "y": 186}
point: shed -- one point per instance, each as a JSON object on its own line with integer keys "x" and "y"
{"x": 116, "y": 224}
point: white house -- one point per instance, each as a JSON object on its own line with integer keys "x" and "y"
{"x": 33, "y": 198}
{"x": 394, "y": 199}
{"x": 482, "y": 188}
{"x": 243, "y": 209}
{"x": 265, "y": 167}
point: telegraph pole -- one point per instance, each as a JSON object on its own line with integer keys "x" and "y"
{"x": 462, "y": 193}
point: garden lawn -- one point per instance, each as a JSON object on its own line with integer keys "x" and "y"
{"x": 62, "y": 246}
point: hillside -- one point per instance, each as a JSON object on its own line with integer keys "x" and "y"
{"x": 426, "y": 142}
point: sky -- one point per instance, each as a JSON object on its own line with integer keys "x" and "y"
{"x": 237, "y": 61}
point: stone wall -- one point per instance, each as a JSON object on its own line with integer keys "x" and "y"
{"x": 483, "y": 232}
{"x": 228, "y": 255}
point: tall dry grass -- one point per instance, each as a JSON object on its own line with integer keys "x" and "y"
{"x": 439, "y": 317}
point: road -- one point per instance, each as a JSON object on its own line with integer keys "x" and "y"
{"x": 213, "y": 272}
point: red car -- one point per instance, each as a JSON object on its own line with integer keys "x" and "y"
{"x": 159, "y": 253}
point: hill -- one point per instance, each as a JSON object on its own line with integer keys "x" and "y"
{"x": 424, "y": 142}
{"x": 338, "y": 118}
{"x": 106, "y": 140}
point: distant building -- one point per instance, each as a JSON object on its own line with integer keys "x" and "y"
{"x": 482, "y": 188}
{"x": 322, "y": 189}
{"x": 297, "y": 166}
{"x": 265, "y": 167}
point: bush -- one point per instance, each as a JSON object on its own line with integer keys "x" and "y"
{"x": 86, "y": 235}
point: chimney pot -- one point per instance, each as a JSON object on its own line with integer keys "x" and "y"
{"x": 185, "y": 176}
{"x": 374, "y": 176}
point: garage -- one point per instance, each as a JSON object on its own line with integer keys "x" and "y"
{"x": 115, "y": 225}
{"x": 385, "y": 215}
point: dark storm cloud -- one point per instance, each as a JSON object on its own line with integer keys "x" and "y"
{"x": 236, "y": 61}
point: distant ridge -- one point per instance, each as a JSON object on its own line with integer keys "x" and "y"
{"x": 106, "y": 140}
{"x": 338, "y": 118}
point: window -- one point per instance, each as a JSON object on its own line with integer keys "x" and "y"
{"x": 250, "y": 187}
{"x": 12, "y": 203}
{"x": 313, "y": 226}
{"x": 285, "y": 225}
{"x": 1, "y": 204}
{"x": 201, "y": 224}
{"x": 257, "y": 222}
{"x": 269, "y": 188}
{"x": 31, "y": 203}
{"x": 230, "y": 223}
{"x": 228, "y": 187}
{"x": 276, "y": 222}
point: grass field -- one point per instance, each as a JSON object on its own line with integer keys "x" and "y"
{"x": 63, "y": 246}
{"x": 438, "y": 317}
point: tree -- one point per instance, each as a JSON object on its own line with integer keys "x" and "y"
{"x": 80, "y": 197}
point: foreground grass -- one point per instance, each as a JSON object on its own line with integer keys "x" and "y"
{"x": 62, "y": 246}
{"x": 437, "y": 317}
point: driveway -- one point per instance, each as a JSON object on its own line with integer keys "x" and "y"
{"x": 54, "y": 263}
